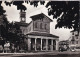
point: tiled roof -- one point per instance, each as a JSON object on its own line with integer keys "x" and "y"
{"x": 22, "y": 24}
{"x": 42, "y": 34}
{"x": 38, "y": 16}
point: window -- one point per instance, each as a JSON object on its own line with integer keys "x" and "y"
{"x": 41, "y": 26}
{"x": 76, "y": 37}
{"x": 45, "y": 26}
{"x": 26, "y": 30}
{"x": 72, "y": 42}
{"x": 73, "y": 39}
{"x": 76, "y": 33}
{"x": 35, "y": 24}
{"x": 76, "y": 42}
{"x": 41, "y": 19}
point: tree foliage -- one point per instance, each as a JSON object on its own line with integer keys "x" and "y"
{"x": 70, "y": 10}
{"x": 20, "y": 5}
{"x": 1, "y": 9}
{"x": 13, "y": 33}
{"x": 3, "y": 29}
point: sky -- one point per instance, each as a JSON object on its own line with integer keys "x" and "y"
{"x": 13, "y": 15}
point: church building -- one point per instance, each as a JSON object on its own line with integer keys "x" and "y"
{"x": 37, "y": 32}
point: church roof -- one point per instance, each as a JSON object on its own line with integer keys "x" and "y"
{"x": 22, "y": 24}
{"x": 42, "y": 34}
{"x": 39, "y": 16}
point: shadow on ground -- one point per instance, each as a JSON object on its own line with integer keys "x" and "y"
{"x": 59, "y": 55}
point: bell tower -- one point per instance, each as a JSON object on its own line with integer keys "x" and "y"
{"x": 22, "y": 16}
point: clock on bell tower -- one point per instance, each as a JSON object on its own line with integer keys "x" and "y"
{"x": 22, "y": 16}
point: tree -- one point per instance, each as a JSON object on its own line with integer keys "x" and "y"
{"x": 3, "y": 22}
{"x": 2, "y": 11}
{"x": 15, "y": 35}
{"x": 68, "y": 9}
{"x": 3, "y": 26}
{"x": 13, "y": 32}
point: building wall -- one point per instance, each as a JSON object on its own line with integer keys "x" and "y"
{"x": 76, "y": 41}
{"x": 42, "y": 25}
{"x": 78, "y": 47}
{"x": 30, "y": 27}
{"x": 27, "y": 29}
{"x": 38, "y": 25}
{"x": 74, "y": 37}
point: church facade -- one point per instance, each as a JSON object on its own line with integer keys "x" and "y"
{"x": 37, "y": 33}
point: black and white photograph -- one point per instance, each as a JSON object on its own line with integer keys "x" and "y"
{"x": 39, "y": 28}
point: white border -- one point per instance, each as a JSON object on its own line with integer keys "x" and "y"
{"x": 39, "y": 0}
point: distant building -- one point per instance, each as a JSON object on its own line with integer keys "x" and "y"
{"x": 74, "y": 41}
{"x": 37, "y": 32}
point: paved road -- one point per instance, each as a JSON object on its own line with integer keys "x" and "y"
{"x": 46, "y": 55}
{"x": 42, "y": 54}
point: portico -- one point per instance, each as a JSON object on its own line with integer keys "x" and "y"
{"x": 42, "y": 43}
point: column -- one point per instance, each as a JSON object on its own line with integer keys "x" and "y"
{"x": 35, "y": 44}
{"x": 56, "y": 44}
{"x": 46, "y": 44}
{"x": 51, "y": 44}
{"x": 29, "y": 44}
{"x": 41, "y": 44}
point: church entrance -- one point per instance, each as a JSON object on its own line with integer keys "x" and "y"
{"x": 44, "y": 44}
{"x": 33, "y": 44}
{"x": 38, "y": 44}
{"x": 54, "y": 44}
{"x": 49, "y": 44}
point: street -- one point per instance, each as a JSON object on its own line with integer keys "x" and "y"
{"x": 42, "y": 54}
{"x": 45, "y": 55}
